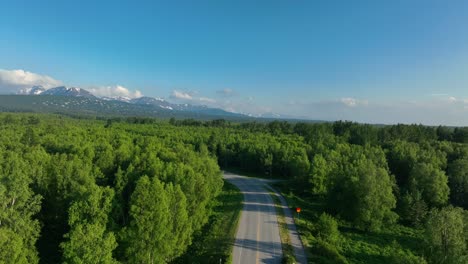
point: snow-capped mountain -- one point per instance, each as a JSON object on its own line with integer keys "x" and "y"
{"x": 70, "y": 97}
{"x": 68, "y": 91}
{"x": 146, "y": 100}
{"x": 117, "y": 98}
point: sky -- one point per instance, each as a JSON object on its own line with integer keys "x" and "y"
{"x": 367, "y": 61}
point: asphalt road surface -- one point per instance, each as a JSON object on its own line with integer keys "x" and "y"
{"x": 257, "y": 238}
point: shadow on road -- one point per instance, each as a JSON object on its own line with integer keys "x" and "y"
{"x": 261, "y": 246}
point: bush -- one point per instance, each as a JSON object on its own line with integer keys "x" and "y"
{"x": 402, "y": 258}
{"x": 288, "y": 259}
{"x": 328, "y": 253}
{"x": 327, "y": 229}
{"x": 398, "y": 255}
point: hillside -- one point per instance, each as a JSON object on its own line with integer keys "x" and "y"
{"x": 93, "y": 106}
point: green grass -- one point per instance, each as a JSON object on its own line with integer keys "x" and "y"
{"x": 213, "y": 244}
{"x": 288, "y": 251}
{"x": 355, "y": 245}
{"x": 247, "y": 173}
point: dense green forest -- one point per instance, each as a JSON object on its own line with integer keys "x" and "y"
{"x": 105, "y": 191}
{"x": 75, "y": 191}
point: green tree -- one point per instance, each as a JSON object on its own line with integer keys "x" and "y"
{"x": 12, "y": 248}
{"x": 446, "y": 235}
{"x": 179, "y": 236}
{"x": 149, "y": 225}
{"x": 320, "y": 171}
{"x": 67, "y": 179}
{"x": 363, "y": 194}
{"x": 88, "y": 240}
{"x": 431, "y": 182}
{"x": 413, "y": 209}
{"x": 444, "y": 133}
{"x": 29, "y": 137}
{"x": 89, "y": 243}
{"x": 460, "y": 134}
{"x": 327, "y": 229}
{"x": 18, "y": 206}
{"x": 458, "y": 181}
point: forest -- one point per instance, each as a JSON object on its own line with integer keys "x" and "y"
{"x": 109, "y": 190}
{"x": 75, "y": 191}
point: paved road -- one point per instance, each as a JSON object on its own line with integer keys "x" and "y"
{"x": 257, "y": 239}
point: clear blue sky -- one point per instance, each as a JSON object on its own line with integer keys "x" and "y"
{"x": 292, "y": 57}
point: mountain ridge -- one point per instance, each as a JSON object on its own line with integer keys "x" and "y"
{"x": 69, "y": 99}
{"x": 67, "y": 91}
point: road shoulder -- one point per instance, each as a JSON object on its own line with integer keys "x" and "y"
{"x": 294, "y": 237}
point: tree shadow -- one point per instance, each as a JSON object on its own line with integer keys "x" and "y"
{"x": 268, "y": 248}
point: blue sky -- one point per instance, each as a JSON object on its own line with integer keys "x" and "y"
{"x": 368, "y": 61}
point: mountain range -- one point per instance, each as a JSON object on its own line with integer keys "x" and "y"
{"x": 73, "y": 100}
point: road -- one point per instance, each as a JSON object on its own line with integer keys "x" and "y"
{"x": 257, "y": 238}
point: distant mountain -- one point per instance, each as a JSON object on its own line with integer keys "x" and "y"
{"x": 68, "y": 91}
{"x": 72, "y": 100}
{"x": 145, "y": 100}
{"x": 270, "y": 115}
{"x": 199, "y": 109}
{"x": 117, "y": 98}
{"x": 159, "y": 102}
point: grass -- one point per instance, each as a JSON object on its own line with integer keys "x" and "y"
{"x": 247, "y": 173}
{"x": 356, "y": 246}
{"x": 288, "y": 251}
{"x": 213, "y": 244}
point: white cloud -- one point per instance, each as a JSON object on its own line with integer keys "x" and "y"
{"x": 207, "y": 100}
{"x": 244, "y": 105}
{"x": 190, "y": 96}
{"x": 115, "y": 91}
{"x": 226, "y": 92}
{"x": 452, "y": 99}
{"x": 352, "y": 102}
{"x": 15, "y": 80}
{"x": 181, "y": 95}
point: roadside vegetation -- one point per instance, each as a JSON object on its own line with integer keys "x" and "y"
{"x": 288, "y": 251}
{"x": 214, "y": 242}
{"x": 328, "y": 239}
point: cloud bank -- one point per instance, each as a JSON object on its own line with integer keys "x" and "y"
{"x": 181, "y": 95}
{"x": 15, "y": 81}
{"x": 190, "y": 97}
{"x": 442, "y": 110}
{"x": 12, "y": 81}
{"x": 352, "y": 102}
{"x": 226, "y": 92}
{"x": 115, "y": 91}
{"x": 225, "y": 100}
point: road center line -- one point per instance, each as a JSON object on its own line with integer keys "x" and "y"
{"x": 258, "y": 236}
